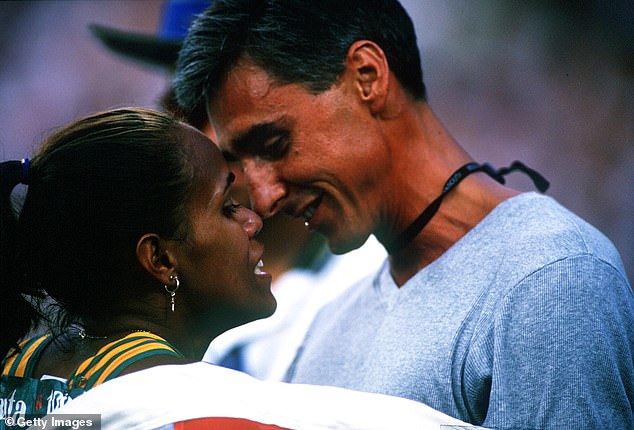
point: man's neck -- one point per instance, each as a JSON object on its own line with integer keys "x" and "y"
{"x": 459, "y": 213}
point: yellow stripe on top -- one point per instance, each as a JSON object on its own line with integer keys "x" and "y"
{"x": 6, "y": 367}
{"x": 20, "y": 370}
{"x": 106, "y": 354}
{"x": 13, "y": 355}
{"x": 126, "y": 355}
{"x": 138, "y": 345}
{"x": 135, "y": 344}
{"x": 104, "y": 349}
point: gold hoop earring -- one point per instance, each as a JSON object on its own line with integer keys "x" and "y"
{"x": 172, "y": 292}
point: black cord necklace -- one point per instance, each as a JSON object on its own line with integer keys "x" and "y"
{"x": 423, "y": 219}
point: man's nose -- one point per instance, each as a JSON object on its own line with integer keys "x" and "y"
{"x": 266, "y": 190}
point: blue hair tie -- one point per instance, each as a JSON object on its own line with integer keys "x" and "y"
{"x": 26, "y": 171}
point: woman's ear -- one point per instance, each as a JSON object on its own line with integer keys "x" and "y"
{"x": 369, "y": 68}
{"x": 155, "y": 258}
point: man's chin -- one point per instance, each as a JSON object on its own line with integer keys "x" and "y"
{"x": 340, "y": 245}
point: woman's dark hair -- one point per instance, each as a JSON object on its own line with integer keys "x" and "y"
{"x": 94, "y": 187}
{"x": 294, "y": 41}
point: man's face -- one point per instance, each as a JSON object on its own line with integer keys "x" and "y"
{"x": 319, "y": 158}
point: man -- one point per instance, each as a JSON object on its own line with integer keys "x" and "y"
{"x": 296, "y": 258}
{"x": 497, "y": 307}
{"x": 202, "y": 396}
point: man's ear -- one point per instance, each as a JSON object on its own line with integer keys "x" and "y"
{"x": 370, "y": 70}
{"x": 155, "y": 258}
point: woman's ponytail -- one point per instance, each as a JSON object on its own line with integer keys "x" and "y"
{"x": 16, "y": 313}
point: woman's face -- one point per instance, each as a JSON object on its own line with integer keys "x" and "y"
{"x": 219, "y": 263}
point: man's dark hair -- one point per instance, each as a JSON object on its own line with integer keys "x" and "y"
{"x": 294, "y": 41}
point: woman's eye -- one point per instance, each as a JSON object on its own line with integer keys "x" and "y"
{"x": 231, "y": 208}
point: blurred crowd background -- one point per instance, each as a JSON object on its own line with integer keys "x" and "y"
{"x": 550, "y": 83}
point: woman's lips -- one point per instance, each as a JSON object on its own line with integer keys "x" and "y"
{"x": 258, "y": 268}
{"x": 264, "y": 279}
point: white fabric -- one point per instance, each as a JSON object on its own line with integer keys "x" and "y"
{"x": 269, "y": 345}
{"x": 161, "y": 395}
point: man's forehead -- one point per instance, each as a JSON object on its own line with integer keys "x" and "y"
{"x": 255, "y": 79}
{"x": 245, "y": 79}
{"x": 240, "y": 102}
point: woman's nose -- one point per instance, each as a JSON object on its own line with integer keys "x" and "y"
{"x": 252, "y": 223}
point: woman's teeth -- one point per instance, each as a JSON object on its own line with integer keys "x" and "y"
{"x": 258, "y": 268}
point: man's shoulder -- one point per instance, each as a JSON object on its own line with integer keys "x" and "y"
{"x": 520, "y": 237}
{"x": 535, "y": 225}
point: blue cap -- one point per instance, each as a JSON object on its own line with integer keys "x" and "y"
{"x": 162, "y": 48}
{"x": 178, "y": 15}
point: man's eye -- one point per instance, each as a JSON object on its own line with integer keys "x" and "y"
{"x": 275, "y": 148}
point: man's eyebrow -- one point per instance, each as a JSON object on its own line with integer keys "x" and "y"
{"x": 252, "y": 140}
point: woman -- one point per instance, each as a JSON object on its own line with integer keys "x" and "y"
{"x": 129, "y": 248}
{"x": 131, "y": 251}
